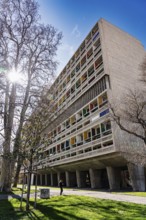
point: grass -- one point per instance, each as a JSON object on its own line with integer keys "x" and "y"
{"x": 143, "y": 194}
{"x": 73, "y": 208}
{"x": 18, "y": 191}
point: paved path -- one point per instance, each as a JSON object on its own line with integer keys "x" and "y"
{"x": 108, "y": 195}
{"x": 96, "y": 194}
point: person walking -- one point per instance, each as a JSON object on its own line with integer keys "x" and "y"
{"x": 61, "y": 186}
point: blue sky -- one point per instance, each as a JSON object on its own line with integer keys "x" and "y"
{"x": 75, "y": 18}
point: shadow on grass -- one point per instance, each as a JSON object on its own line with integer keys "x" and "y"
{"x": 56, "y": 211}
{"x": 7, "y": 210}
{"x": 72, "y": 208}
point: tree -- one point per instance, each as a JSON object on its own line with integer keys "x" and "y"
{"x": 130, "y": 116}
{"x": 28, "y": 48}
{"x": 34, "y": 138}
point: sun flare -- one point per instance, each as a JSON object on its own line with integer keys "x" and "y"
{"x": 14, "y": 76}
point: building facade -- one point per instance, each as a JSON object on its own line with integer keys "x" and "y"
{"x": 83, "y": 143}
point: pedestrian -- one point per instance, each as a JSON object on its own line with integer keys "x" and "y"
{"x": 61, "y": 186}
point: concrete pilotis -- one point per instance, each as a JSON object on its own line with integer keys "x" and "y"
{"x": 58, "y": 177}
{"x": 78, "y": 178}
{"x": 32, "y": 179}
{"x": 95, "y": 178}
{"x": 113, "y": 178}
{"x": 51, "y": 179}
{"x": 137, "y": 177}
{"x": 67, "y": 179}
{"x": 46, "y": 180}
{"x": 41, "y": 179}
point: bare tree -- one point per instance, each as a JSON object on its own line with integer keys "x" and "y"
{"x": 27, "y": 47}
{"x": 130, "y": 116}
{"x": 33, "y": 138}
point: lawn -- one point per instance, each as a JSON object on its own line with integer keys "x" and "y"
{"x": 73, "y": 208}
{"x": 143, "y": 194}
{"x": 18, "y": 191}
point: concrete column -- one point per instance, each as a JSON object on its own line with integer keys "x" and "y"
{"x": 41, "y": 179}
{"x": 51, "y": 179}
{"x": 58, "y": 177}
{"x": 67, "y": 179}
{"x": 137, "y": 177}
{"x": 38, "y": 179}
{"x": 32, "y": 179}
{"x": 113, "y": 178}
{"x": 78, "y": 178}
{"x": 95, "y": 178}
{"x": 46, "y": 180}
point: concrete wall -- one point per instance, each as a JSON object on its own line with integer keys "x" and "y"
{"x": 122, "y": 56}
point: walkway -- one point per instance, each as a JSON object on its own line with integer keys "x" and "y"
{"x": 107, "y": 195}
{"x": 91, "y": 193}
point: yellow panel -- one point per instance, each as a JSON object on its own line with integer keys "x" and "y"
{"x": 100, "y": 100}
{"x": 85, "y": 135}
{"x": 72, "y": 141}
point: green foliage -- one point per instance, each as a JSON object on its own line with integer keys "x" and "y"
{"x": 73, "y": 208}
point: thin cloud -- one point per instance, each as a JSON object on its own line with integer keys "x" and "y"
{"x": 76, "y": 31}
{"x": 69, "y": 49}
{"x": 65, "y": 52}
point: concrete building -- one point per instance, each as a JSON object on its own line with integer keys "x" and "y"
{"x": 83, "y": 143}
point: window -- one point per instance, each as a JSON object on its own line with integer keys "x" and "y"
{"x": 91, "y": 70}
{"x": 102, "y": 100}
{"x": 96, "y": 44}
{"x": 106, "y": 128}
{"x": 67, "y": 144}
{"x": 63, "y": 146}
{"x": 104, "y": 112}
{"x": 58, "y": 148}
{"x": 77, "y": 67}
{"x": 108, "y": 143}
{"x": 73, "y": 141}
{"x": 98, "y": 62}
{"x": 95, "y": 132}
{"x": 84, "y": 77}
{"x": 82, "y": 46}
{"x": 73, "y": 89}
{"x": 89, "y": 53}
{"x": 68, "y": 94}
{"x": 95, "y": 36}
{"x": 87, "y": 135}
{"x": 86, "y": 111}
{"x": 88, "y": 38}
{"x": 95, "y": 29}
{"x": 78, "y": 83}
{"x": 68, "y": 79}
{"x": 97, "y": 147}
{"x": 77, "y": 54}
{"x": 79, "y": 139}
{"x": 72, "y": 73}
{"x": 79, "y": 116}
{"x": 93, "y": 105}
{"x": 68, "y": 123}
{"x": 83, "y": 61}
{"x": 73, "y": 120}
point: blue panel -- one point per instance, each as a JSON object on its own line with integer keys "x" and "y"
{"x": 104, "y": 112}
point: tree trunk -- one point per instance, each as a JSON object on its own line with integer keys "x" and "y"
{"x": 6, "y": 175}
{"x": 28, "y": 191}
{"x": 17, "y": 144}
{"x": 29, "y": 182}
{"x": 16, "y": 177}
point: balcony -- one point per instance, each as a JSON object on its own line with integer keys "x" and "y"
{"x": 96, "y": 151}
